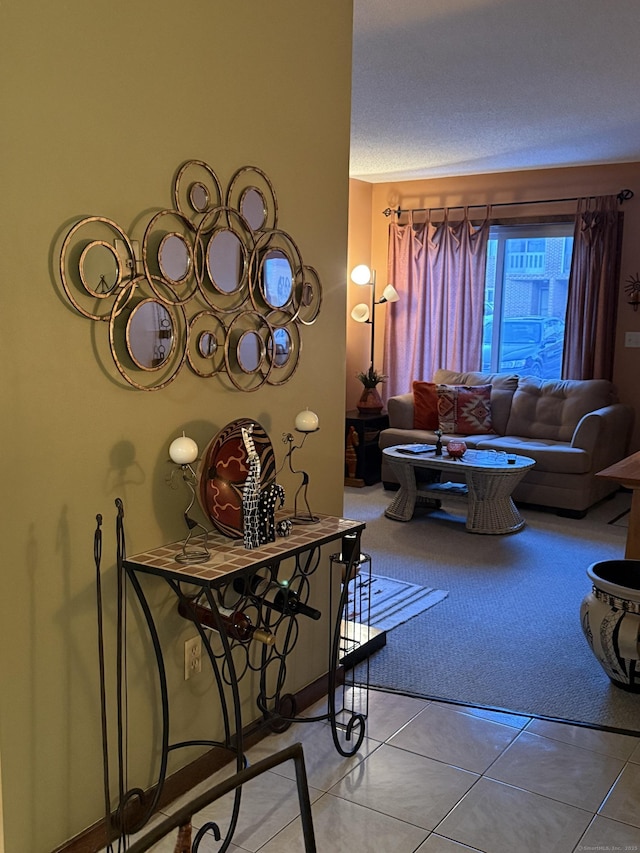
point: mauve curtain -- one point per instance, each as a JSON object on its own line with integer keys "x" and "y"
{"x": 438, "y": 270}
{"x": 593, "y": 290}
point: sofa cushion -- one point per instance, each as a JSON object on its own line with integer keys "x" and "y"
{"x": 503, "y": 386}
{"x": 425, "y": 405}
{"x": 465, "y": 409}
{"x": 400, "y": 410}
{"x": 556, "y": 457}
{"x": 392, "y": 437}
{"x": 551, "y": 410}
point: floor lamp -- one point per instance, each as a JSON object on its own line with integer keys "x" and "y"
{"x": 366, "y": 277}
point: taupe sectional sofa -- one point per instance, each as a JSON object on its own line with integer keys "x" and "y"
{"x": 572, "y": 429}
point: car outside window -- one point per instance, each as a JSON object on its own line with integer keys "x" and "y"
{"x": 526, "y": 287}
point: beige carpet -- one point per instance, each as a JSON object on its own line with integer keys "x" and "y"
{"x": 508, "y": 634}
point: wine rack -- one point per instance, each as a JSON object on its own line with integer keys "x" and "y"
{"x": 250, "y": 607}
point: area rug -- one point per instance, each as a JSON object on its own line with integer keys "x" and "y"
{"x": 508, "y": 634}
{"x": 388, "y": 601}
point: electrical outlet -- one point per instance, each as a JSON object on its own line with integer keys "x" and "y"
{"x": 192, "y": 657}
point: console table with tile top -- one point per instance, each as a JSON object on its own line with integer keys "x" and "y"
{"x": 210, "y": 583}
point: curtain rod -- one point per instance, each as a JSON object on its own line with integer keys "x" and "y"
{"x": 623, "y": 195}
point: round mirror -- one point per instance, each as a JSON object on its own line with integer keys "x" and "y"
{"x": 307, "y": 295}
{"x": 226, "y": 261}
{"x": 174, "y": 258}
{"x": 199, "y": 197}
{"x": 253, "y": 207}
{"x": 150, "y": 334}
{"x": 207, "y": 344}
{"x": 306, "y": 298}
{"x": 250, "y": 351}
{"x": 99, "y": 268}
{"x": 279, "y": 347}
{"x": 276, "y": 278}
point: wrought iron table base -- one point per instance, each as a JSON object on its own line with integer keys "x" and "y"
{"x": 230, "y": 562}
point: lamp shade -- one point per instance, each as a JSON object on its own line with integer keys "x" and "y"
{"x": 389, "y": 294}
{"x": 360, "y": 313}
{"x": 361, "y": 274}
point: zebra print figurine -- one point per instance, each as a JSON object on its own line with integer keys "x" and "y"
{"x": 269, "y": 497}
{"x": 251, "y": 493}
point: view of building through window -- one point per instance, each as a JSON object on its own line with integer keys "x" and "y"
{"x": 526, "y": 298}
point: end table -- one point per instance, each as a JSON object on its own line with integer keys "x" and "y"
{"x": 361, "y": 440}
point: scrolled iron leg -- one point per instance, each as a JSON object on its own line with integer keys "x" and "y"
{"x": 357, "y": 723}
{"x": 181, "y": 816}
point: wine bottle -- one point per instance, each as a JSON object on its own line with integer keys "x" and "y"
{"x": 271, "y": 594}
{"x": 254, "y": 585}
{"x": 287, "y": 601}
{"x": 355, "y": 570}
{"x": 236, "y": 623}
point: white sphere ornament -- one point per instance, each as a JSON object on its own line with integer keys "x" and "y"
{"x": 307, "y": 421}
{"x": 183, "y": 450}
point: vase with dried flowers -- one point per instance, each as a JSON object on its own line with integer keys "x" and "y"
{"x": 370, "y": 401}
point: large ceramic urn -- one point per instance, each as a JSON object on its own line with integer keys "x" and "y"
{"x": 610, "y": 617}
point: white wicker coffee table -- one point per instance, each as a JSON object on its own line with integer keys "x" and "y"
{"x": 488, "y": 485}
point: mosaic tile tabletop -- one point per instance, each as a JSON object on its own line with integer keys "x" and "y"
{"x": 228, "y": 556}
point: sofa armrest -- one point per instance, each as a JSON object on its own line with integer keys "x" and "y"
{"x": 605, "y": 434}
{"x": 400, "y": 409}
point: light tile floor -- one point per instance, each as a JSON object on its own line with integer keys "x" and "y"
{"x": 437, "y": 778}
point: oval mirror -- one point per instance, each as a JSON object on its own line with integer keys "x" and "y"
{"x": 250, "y": 351}
{"x": 279, "y": 347}
{"x": 99, "y": 268}
{"x": 174, "y": 258}
{"x": 253, "y": 207}
{"x": 207, "y": 344}
{"x": 226, "y": 261}
{"x": 276, "y": 278}
{"x": 150, "y": 334}
{"x": 199, "y": 197}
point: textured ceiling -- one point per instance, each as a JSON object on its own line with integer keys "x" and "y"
{"x": 454, "y": 87}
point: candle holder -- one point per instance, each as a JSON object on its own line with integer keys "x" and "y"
{"x": 183, "y": 451}
{"x": 306, "y": 422}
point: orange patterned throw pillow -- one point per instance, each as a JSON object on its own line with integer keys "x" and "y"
{"x": 425, "y": 405}
{"x": 465, "y": 409}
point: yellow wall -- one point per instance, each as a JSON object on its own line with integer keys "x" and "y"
{"x": 359, "y": 334}
{"x": 99, "y": 108}
{"x": 498, "y": 188}
{"x": 1, "y": 818}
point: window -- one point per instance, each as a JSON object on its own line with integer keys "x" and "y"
{"x": 526, "y": 289}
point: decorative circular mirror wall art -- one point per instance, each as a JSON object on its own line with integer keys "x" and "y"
{"x": 214, "y": 283}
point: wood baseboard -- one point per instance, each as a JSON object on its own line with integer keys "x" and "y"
{"x": 354, "y": 482}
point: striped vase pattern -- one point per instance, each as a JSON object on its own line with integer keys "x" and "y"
{"x": 610, "y": 618}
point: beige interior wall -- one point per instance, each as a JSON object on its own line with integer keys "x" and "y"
{"x": 99, "y": 108}
{"x": 2, "y": 848}
{"x": 522, "y": 186}
{"x": 359, "y": 252}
